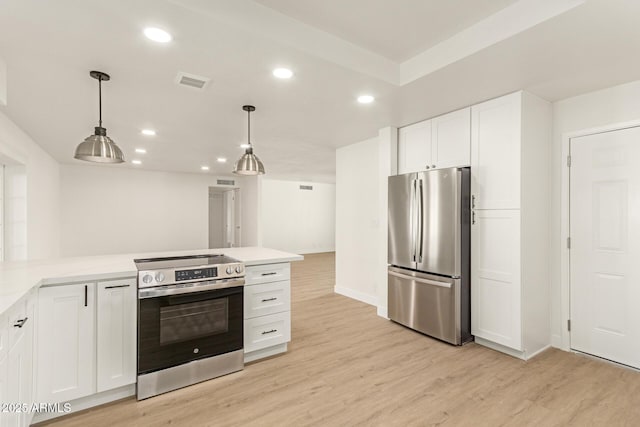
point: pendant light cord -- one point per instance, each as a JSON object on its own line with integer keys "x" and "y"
{"x": 249, "y": 127}
{"x": 100, "y": 99}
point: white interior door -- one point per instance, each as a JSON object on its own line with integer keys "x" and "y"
{"x": 605, "y": 245}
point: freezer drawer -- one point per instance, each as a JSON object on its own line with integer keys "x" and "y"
{"x": 427, "y": 303}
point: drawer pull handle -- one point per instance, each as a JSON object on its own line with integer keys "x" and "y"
{"x": 20, "y": 323}
{"x": 269, "y": 332}
{"x": 269, "y": 299}
{"x": 116, "y": 286}
{"x": 270, "y": 274}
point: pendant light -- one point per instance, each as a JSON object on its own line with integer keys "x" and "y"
{"x": 249, "y": 163}
{"x": 99, "y": 147}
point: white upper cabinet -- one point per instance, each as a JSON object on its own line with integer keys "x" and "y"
{"x": 116, "y": 327}
{"x": 451, "y": 139}
{"x": 495, "y": 152}
{"x": 414, "y": 147}
{"x": 442, "y": 142}
{"x": 66, "y": 343}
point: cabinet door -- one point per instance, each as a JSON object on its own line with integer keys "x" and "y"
{"x": 495, "y": 153}
{"x": 451, "y": 139}
{"x": 495, "y": 277}
{"x": 66, "y": 343}
{"x": 116, "y": 334}
{"x": 414, "y": 147}
{"x": 5, "y": 417}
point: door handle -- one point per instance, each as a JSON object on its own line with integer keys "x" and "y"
{"x": 20, "y": 323}
{"x": 420, "y": 280}
{"x": 86, "y": 290}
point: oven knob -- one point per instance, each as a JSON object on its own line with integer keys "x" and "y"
{"x": 239, "y": 269}
{"x": 159, "y": 277}
{"x": 229, "y": 270}
{"x": 147, "y": 278}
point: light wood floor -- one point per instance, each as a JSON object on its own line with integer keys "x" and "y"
{"x": 347, "y": 366}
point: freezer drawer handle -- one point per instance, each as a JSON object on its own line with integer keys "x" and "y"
{"x": 421, "y": 280}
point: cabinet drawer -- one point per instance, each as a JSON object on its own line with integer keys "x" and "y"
{"x": 267, "y": 298}
{"x": 267, "y": 273}
{"x": 266, "y": 331}
{"x": 4, "y": 337}
{"x": 16, "y": 315}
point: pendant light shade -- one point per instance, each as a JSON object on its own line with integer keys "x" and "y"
{"x": 99, "y": 147}
{"x": 249, "y": 163}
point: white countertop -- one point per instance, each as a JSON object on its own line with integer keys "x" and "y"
{"x": 17, "y": 278}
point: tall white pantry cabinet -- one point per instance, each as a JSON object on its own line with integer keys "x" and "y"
{"x": 510, "y": 138}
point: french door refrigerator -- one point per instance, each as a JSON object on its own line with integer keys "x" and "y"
{"x": 428, "y": 255}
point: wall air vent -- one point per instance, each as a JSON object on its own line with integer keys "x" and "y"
{"x": 306, "y": 187}
{"x": 192, "y": 80}
{"x": 225, "y": 182}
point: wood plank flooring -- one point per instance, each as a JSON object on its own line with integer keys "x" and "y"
{"x": 346, "y": 366}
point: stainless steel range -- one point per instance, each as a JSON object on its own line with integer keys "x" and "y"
{"x": 190, "y": 321}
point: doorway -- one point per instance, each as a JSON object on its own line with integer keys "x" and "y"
{"x": 604, "y": 228}
{"x": 224, "y": 217}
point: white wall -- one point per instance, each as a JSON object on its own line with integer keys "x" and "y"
{"x": 109, "y": 210}
{"x": 606, "y": 107}
{"x": 362, "y": 170}
{"x": 42, "y": 189}
{"x": 295, "y": 220}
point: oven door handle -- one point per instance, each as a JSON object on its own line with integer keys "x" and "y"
{"x": 161, "y": 291}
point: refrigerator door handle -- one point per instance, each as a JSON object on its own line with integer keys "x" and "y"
{"x": 420, "y": 221}
{"x": 412, "y": 218}
{"x": 420, "y": 280}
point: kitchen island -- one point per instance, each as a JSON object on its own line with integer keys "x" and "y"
{"x": 68, "y": 326}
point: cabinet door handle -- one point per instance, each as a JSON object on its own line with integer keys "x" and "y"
{"x": 270, "y": 274}
{"x": 86, "y": 290}
{"x": 116, "y": 286}
{"x": 20, "y": 323}
{"x": 433, "y": 166}
{"x": 473, "y": 202}
{"x": 427, "y": 166}
{"x": 269, "y": 332}
{"x": 473, "y": 217}
{"x": 269, "y": 299}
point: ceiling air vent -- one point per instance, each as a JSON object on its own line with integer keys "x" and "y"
{"x": 192, "y": 80}
{"x": 226, "y": 182}
{"x": 306, "y": 187}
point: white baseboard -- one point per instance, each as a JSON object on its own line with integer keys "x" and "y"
{"x": 556, "y": 341}
{"x": 89, "y": 402}
{"x": 382, "y": 312}
{"x": 357, "y": 295}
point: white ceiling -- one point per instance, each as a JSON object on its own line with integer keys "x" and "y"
{"x": 397, "y": 30}
{"x": 50, "y": 47}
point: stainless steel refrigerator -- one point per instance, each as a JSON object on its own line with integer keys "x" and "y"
{"x": 429, "y": 249}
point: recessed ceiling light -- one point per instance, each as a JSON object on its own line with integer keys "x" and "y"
{"x": 136, "y": 162}
{"x": 365, "y": 99}
{"x": 222, "y": 159}
{"x": 157, "y": 35}
{"x": 141, "y": 150}
{"x": 283, "y": 73}
{"x": 244, "y": 146}
{"x": 204, "y": 168}
{"x": 148, "y": 132}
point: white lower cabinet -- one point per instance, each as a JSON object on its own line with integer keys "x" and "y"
{"x": 116, "y": 338}
{"x": 267, "y": 310}
{"x": 266, "y": 331}
{"x": 66, "y": 343}
{"x": 16, "y": 365}
{"x": 86, "y": 339}
{"x": 495, "y": 267}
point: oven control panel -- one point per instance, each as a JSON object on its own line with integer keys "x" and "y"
{"x": 201, "y": 273}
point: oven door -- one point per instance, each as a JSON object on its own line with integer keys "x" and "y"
{"x": 175, "y": 327}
